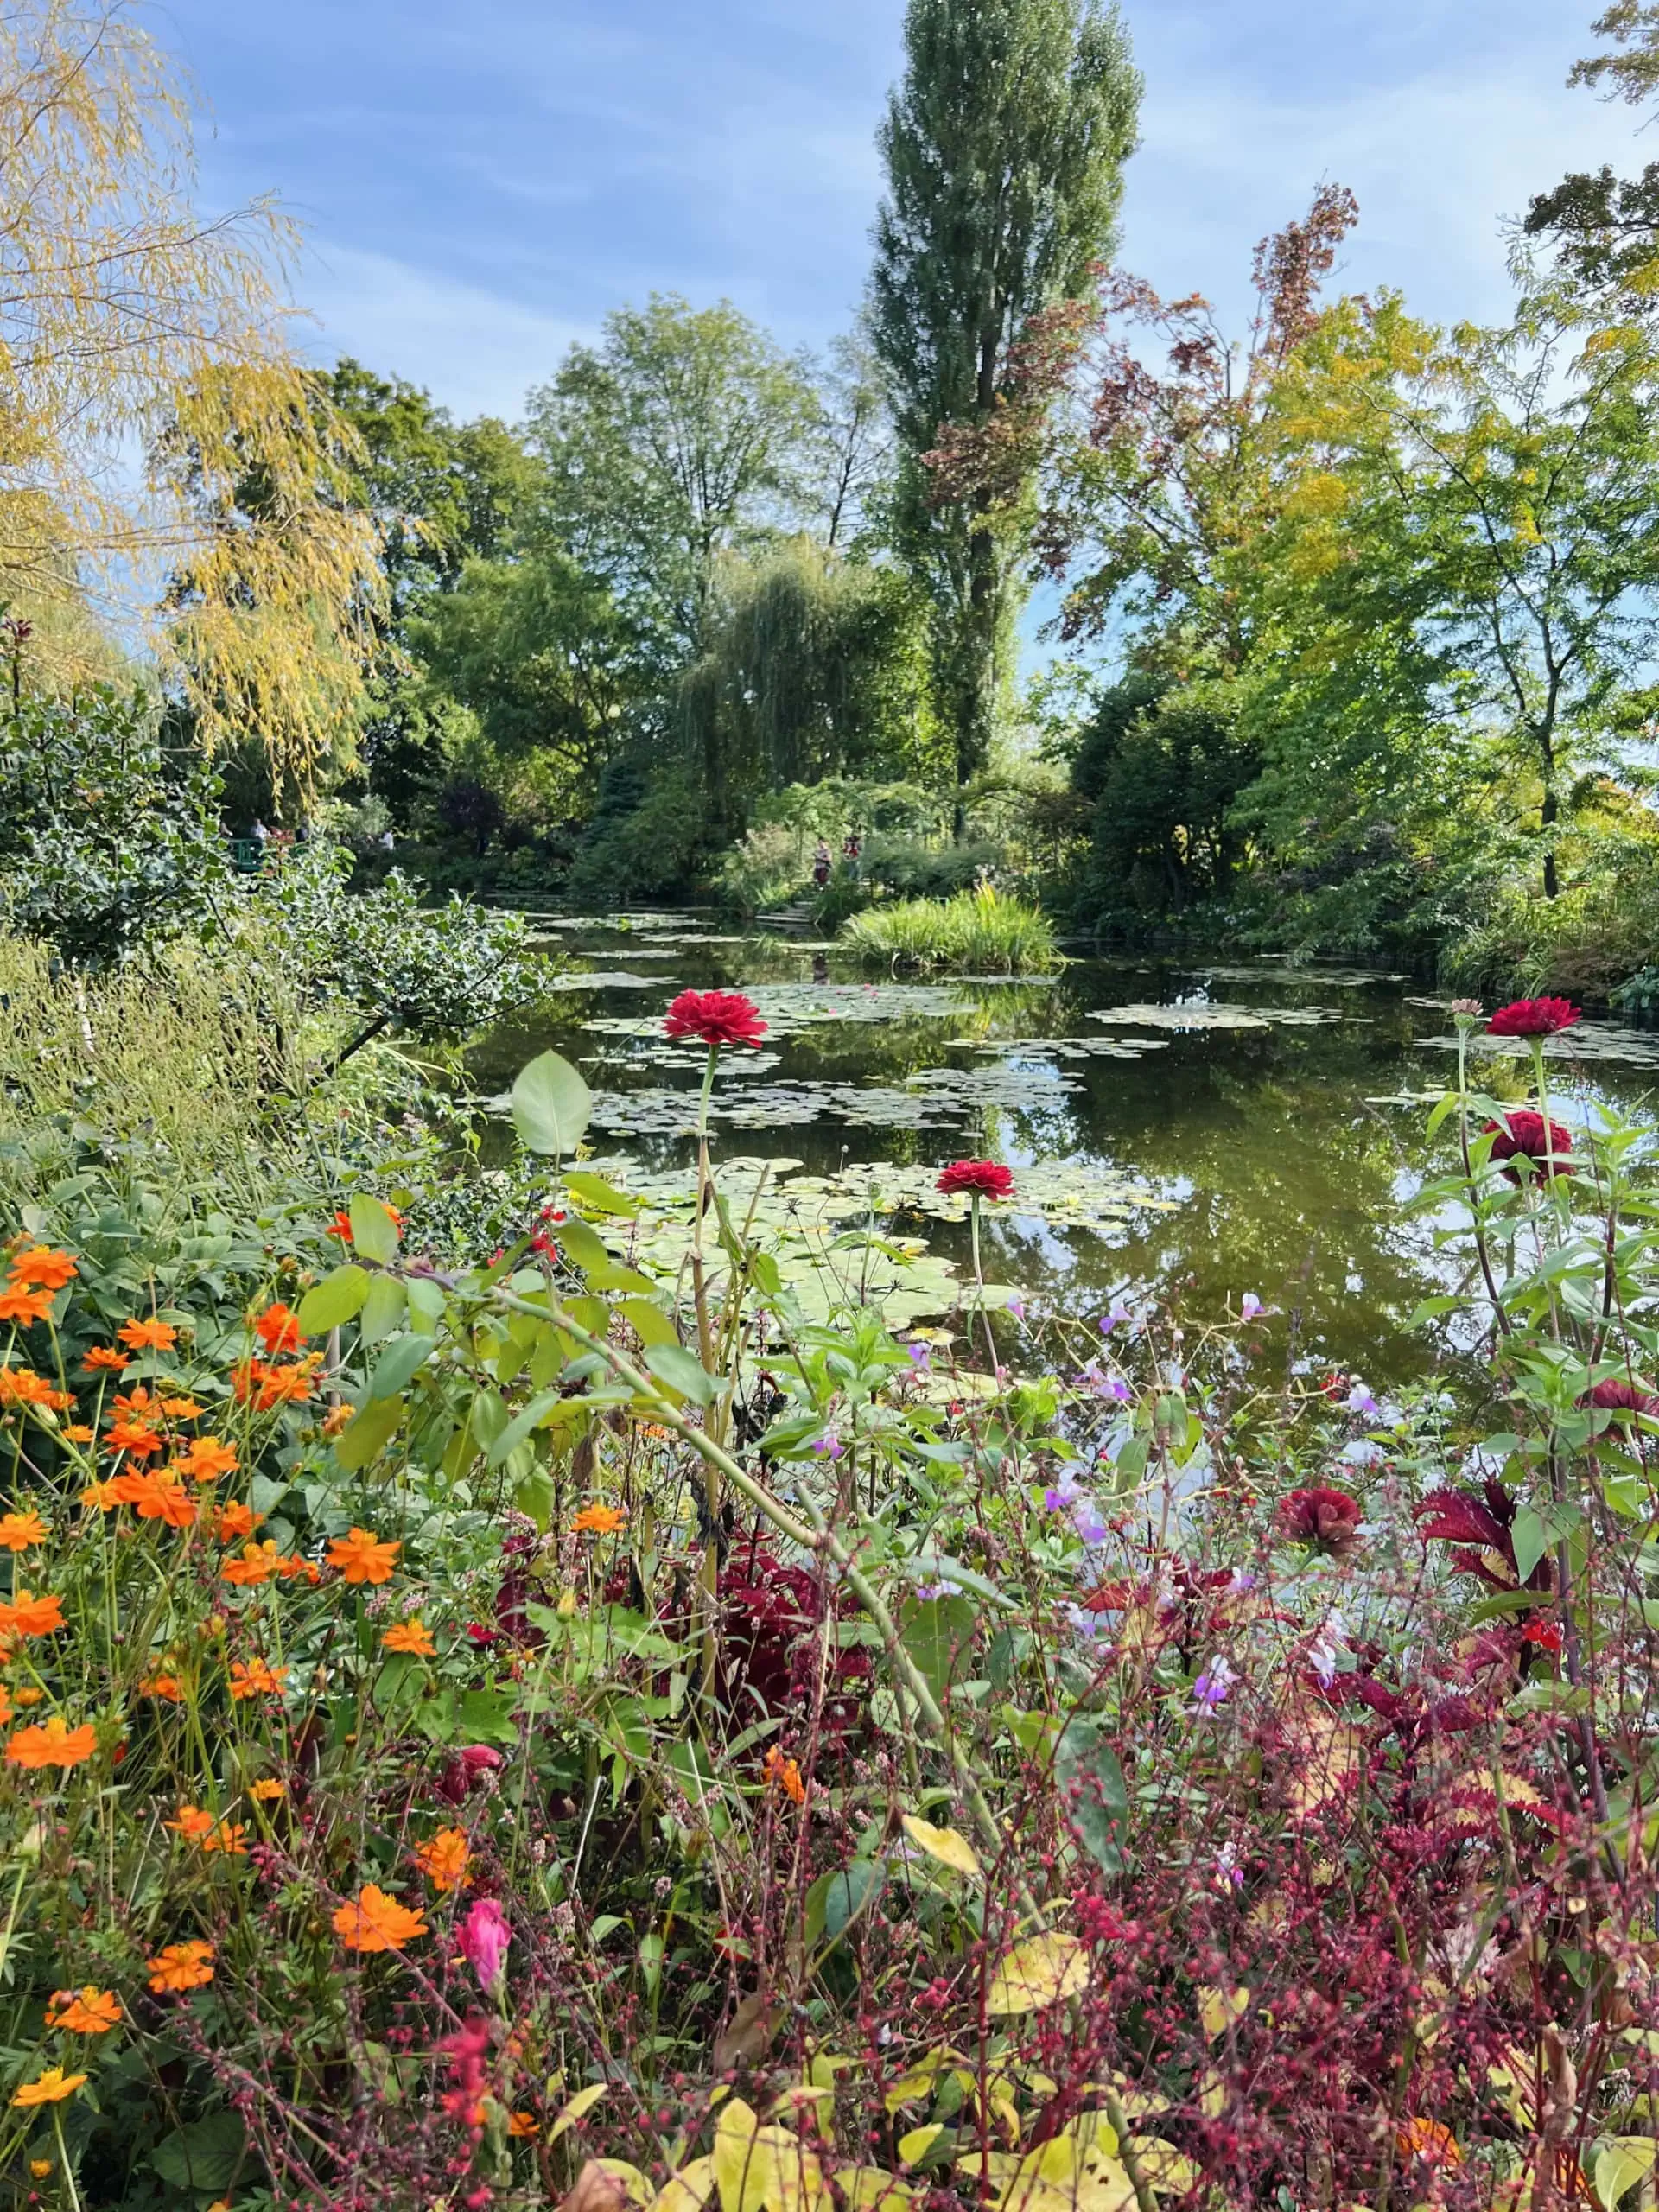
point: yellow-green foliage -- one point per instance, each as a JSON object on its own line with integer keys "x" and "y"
{"x": 982, "y": 930}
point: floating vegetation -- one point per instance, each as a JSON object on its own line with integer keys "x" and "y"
{"x": 1339, "y": 979}
{"x": 1070, "y": 1048}
{"x": 1203, "y": 1013}
{"x": 612, "y": 979}
{"x": 788, "y": 1009}
{"x": 1589, "y": 1041}
{"x": 933, "y": 1098}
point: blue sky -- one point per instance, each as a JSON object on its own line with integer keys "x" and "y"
{"x": 482, "y": 180}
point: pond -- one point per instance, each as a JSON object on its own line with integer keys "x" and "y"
{"x": 1185, "y": 1131}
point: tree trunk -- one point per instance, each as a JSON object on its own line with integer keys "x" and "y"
{"x": 1548, "y": 813}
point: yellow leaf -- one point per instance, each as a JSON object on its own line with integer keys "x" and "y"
{"x": 1038, "y": 1972}
{"x": 918, "y": 2142}
{"x": 866, "y": 2189}
{"x": 689, "y": 2191}
{"x": 1620, "y": 2163}
{"x": 1218, "y": 2009}
{"x": 791, "y": 2178}
{"x": 636, "y": 2188}
{"x": 942, "y": 1844}
{"x": 581, "y": 2103}
{"x": 740, "y": 2185}
{"x": 1163, "y": 2167}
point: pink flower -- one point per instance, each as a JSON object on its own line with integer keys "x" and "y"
{"x": 1526, "y": 1139}
{"x": 1532, "y": 1018}
{"x": 462, "y": 1774}
{"x": 716, "y": 1017}
{"x": 484, "y": 1938}
{"x": 980, "y": 1178}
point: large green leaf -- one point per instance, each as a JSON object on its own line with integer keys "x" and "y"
{"x": 1091, "y": 1782}
{"x": 367, "y": 1433}
{"x": 681, "y": 1371}
{"x": 338, "y": 1298}
{"x": 374, "y": 1233}
{"x": 550, "y": 1105}
{"x": 937, "y": 1633}
{"x": 207, "y": 2154}
{"x": 397, "y": 1364}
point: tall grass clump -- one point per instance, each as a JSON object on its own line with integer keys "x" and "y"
{"x": 982, "y": 932}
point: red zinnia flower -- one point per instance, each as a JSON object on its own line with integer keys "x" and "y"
{"x": 980, "y": 1179}
{"x": 716, "y": 1018}
{"x": 1532, "y": 1018}
{"x": 1527, "y": 1139}
{"x": 1615, "y": 1397}
{"x": 1327, "y": 1517}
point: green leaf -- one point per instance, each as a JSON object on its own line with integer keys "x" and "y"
{"x": 673, "y": 1365}
{"x": 1620, "y": 2163}
{"x": 584, "y": 1247}
{"x": 383, "y": 1309}
{"x": 598, "y": 1195}
{"x": 550, "y": 1106}
{"x": 1091, "y": 1779}
{"x": 648, "y": 1321}
{"x": 520, "y": 1426}
{"x": 486, "y": 1715}
{"x": 397, "y": 1364}
{"x": 338, "y": 1298}
{"x": 207, "y": 2154}
{"x": 374, "y": 1233}
{"x": 1536, "y": 1528}
{"x": 937, "y": 1633}
{"x": 534, "y": 1499}
{"x": 368, "y": 1431}
{"x": 850, "y": 1892}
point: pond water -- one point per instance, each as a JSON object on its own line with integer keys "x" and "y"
{"x": 1185, "y": 1131}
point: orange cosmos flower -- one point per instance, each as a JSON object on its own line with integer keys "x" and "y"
{"x": 206, "y": 1459}
{"x": 294, "y": 1566}
{"x": 19, "y": 1531}
{"x": 78, "y": 1432}
{"x": 48, "y": 2088}
{"x": 278, "y": 1329}
{"x": 101, "y": 1497}
{"x": 371, "y": 1921}
{"x": 443, "y": 1861}
{"x": 783, "y": 1774}
{"x": 137, "y": 1404}
{"x": 89, "y": 2011}
{"x": 524, "y": 2126}
{"x": 148, "y": 1335}
{"x": 21, "y": 1386}
{"x": 335, "y": 1419}
{"x": 231, "y": 1523}
{"x": 255, "y": 1678}
{"x": 163, "y": 1686}
{"x": 1428, "y": 2140}
{"x": 362, "y": 1557}
{"x": 163, "y": 1497}
{"x": 179, "y": 1408}
{"x": 181, "y": 1967}
{"x": 258, "y": 1563}
{"x": 5, "y": 1706}
{"x": 192, "y": 1823}
{"x": 27, "y": 1615}
{"x": 52, "y": 1743}
{"x": 105, "y": 1355}
{"x": 412, "y": 1637}
{"x": 29, "y": 1695}
{"x": 132, "y": 1438}
{"x": 598, "y": 1520}
{"x": 268, "y": 1792}
{"x": 341, "y": 1226}
{"x": 41, "y": 1265}
{"x": 227, "y": 1837}
{"x": 25, "y": 1305}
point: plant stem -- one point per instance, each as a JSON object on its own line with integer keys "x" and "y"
{"x": 710, "y": 1580}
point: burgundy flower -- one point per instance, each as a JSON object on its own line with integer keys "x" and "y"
{"x": 462, "y": 1774}
{"x": 1526, "y": 1139}
{"x": 1532, "y": 1018}
{"x": 980, "y": 1179}
{"x": 716, "y": 1017}
{"x": 1615, "y": 1397}
{"x": 1479, "y": 1525}
{"x": 1329, "y": 1518}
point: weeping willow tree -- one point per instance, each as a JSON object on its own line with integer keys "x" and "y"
{"x": 817, "y": 667}
{"x": 132, "y": 325}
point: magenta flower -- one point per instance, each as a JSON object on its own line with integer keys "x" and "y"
{"x": 484, "y": 1938}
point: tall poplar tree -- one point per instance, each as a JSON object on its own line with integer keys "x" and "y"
{"x": 1004, "y": 147}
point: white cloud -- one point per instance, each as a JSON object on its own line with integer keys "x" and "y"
{"x": 475, "y": 350}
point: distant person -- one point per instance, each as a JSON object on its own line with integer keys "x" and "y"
{"x": 821, "y": 864}
{"x": 852, "y": 854}
{"x": 388, "y": 843}
{"x": 260, "y": 834}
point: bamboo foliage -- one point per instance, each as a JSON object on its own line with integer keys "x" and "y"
{"x": 147, "y": 376}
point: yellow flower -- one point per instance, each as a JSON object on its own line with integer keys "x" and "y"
{"x": 412, "y": 1637}
{"x": 371, "y": 1921}
{"x": 89, "y": 2011}
{"x": 598, "y": 1520}
{"x": 268, "y": 1792}
{"x": 48, "y": 2088}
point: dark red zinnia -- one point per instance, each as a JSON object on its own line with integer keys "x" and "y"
{"x": 1532, "y": 1018}
{"x": 716, "y": 1017}
{"x": 1615, "y": 1397}
{"x": 977, "y": 1178}
{"x": 1329, "y": 1518}
{"x": 1527, "y": 1139}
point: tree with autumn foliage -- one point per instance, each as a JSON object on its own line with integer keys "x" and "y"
{"x": 130, "y": 317}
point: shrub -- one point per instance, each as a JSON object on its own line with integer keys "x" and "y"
{"x": 982, "y": 932}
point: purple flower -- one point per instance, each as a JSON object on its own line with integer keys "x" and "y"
{"x": 1242, "y": 1580}
{"x": 921, "y": 1358}
{"x": 1017, "y": 1307}
{"x": 932, "y": 1589}
{"x": 484, "y": 1936}
{"x": 1086, "y": 1624}
{"x": 1060, "y": 1496}
{"x": 1229, "y": 1874}
{"x": 1249, "y": 1307}
{"x": 1118, "y": 1389}
{"x": 1360, "y": 1400}
{"x": 1119, "y": 1313}
{"x": 1086, "y": 1521}
{"x": 1214, "y": 1684}
{"x": 828, "y": 1445}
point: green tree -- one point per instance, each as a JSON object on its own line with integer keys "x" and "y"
{"x": 1004, "y": 147}
{"x": 679, "y": 439}
{"x": 1165, "y": 767}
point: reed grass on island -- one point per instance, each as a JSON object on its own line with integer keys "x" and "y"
{"x": 982, "y": 932}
